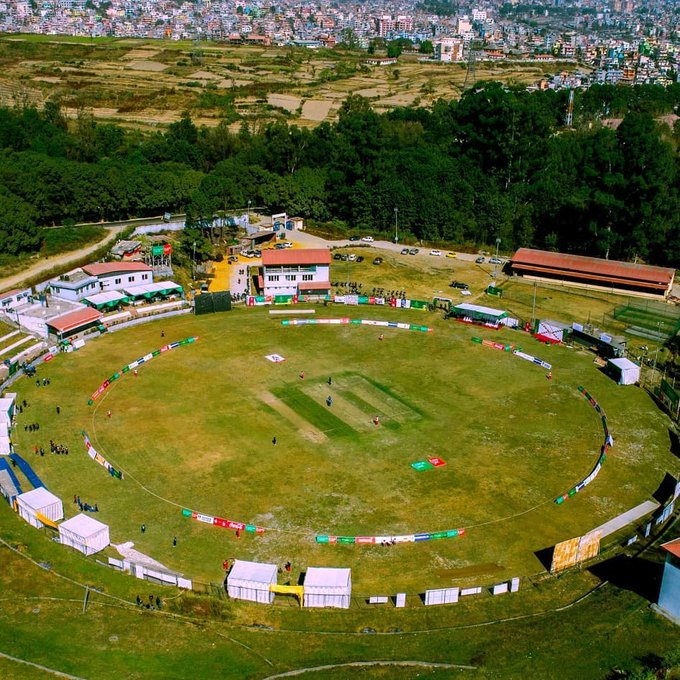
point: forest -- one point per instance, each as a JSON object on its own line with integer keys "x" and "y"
{"x": 498, "y": 163}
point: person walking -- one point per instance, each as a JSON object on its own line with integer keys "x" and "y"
{"x": 108, "y": 414}
{"x": 143, "y": 528}
{"x": 174, "y": 541}
{"x": 330, "y": 380}
{"x": 274, "y": 441}
{"x": 58, "y": 410}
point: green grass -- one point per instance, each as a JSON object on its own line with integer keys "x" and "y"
{"x": 195, "y": 428}
{"x": 192, "y": 431}
{"x": 66, "y": 239}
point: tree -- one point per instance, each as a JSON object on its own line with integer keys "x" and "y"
{"x": 426, "y": 47}
{"x": 18, "y": 226}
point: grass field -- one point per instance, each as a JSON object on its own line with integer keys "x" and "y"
{"x": 194, "y": 430}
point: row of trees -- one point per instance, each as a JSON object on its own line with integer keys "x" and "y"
{"x": 496, "y": 164}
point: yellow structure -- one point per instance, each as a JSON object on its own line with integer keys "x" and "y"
{"x": 297, "y": 591}
{"x": 46, "y": 521}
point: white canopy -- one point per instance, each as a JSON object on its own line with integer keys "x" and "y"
{"x": 251, "y": 581}
{"x": 42, "y": 501}
{"x": 328, "y": 587}
{"x": 480, "y": 309}
{"x": 627, "y": 371}
{"x": 84, "y": 533}
{"x": 7, "y": 407}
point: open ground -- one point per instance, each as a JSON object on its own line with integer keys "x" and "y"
{"x": 144, "y": 83}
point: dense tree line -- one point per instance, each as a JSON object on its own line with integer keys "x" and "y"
{"x": 496, "y": 164}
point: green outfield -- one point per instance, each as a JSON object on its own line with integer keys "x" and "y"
{"x": 194, "y": 430}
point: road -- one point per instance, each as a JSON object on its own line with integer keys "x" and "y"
{"x": 145, "y": 225}
{"x": 47, "y": 264}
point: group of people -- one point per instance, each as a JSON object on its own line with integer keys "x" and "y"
{"x": 85, "y": 507}
{"x": 45, "y": 382}
{"x": 150, "y": 605}
{"x": 58, "y": 448}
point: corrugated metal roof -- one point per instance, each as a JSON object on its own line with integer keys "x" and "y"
{"x": 274, "y": 258}
{"x": 104, "y": 268}
{"x": 597, "y": 267}
{"x": 72, "y": 320}
{"x": 673, "y": 547}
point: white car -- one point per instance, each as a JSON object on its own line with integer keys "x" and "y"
{"x": 287, "y": 244}
{"x": 436, "y": 253}
{"x": 351, "y": 257}
{"x": 367, "y": 239}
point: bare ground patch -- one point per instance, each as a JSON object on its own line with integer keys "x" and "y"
{"x": 306, "y": 429}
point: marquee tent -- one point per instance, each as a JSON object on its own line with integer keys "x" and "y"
{"x": 109, "y": 299}
{"x": 478, "y": 313}
{"x": 326, "y": 587}
{"x": 39, "y": 501}
{"x": 624, "y": 371}
{"x": 7, "y": 408}
{"x": 84, "y": 533}
{"x": 251, "y": 581}
{"x": 158, "y": 289}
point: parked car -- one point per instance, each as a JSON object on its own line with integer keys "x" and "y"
{"x": 232, "y": 259}
{"x": 368, "y": 239}
{"x": 413, "y": 251}
{"x": 360, "y": 258}
{"x": 458, "y": 284}
{"x": 337, "y": 256}
{"x": 287, "y": 244}
{"x": 436, "y": 253}
{"x": 479, "y": 260}
{"x": 354, "y": 238}
{"x": 451, "y": 255}
{"x": 495, "y": 260}
{"x": 378, "y": 260}
{"x": 257, "y": 253}
{"x": 351, "y": 257}
{"x": 404, "y": 251}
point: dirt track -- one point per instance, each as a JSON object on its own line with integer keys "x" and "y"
{"x": 48, "y": 263}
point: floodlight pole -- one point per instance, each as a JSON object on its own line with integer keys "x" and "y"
{"x": 193, "y": 264}
{"x": 396, "y": 225}
{"x": 248, "y": 219}
{"x": 495, "y": 267}
{"x": 533, "y": 306}
{"x": 656, "y": 354}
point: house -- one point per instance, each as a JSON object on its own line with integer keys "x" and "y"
{"x": 14, "y": 298}
{"x": 118, "y": 275}
{"x": 296, "y": 272}
{"x": 74, "y": 286}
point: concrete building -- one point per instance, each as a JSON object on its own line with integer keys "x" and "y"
{"x": 296, "y": 272}
{"x": 118, "y": 275}
{"x": 74, "y": 286}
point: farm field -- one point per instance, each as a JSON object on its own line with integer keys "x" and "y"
{"x": 194, "y": 430}
{"x": 145, "y": 83}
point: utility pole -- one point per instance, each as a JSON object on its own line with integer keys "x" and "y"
{"x": 533, "y": 306}
{"x": 396, "y": 225}
{"x": 193, "y": 264}
{"x": 495, "y": 266}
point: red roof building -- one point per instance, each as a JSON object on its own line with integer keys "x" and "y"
{"x": 293, "y": 272}
{"x": 110, "y": 268}
{"x": 74, "y": 322}
{"x": 593, "y": 272}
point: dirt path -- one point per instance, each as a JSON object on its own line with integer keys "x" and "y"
{"x": 48, "y": 263}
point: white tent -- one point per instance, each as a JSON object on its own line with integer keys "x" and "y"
{"x": 625, "y": 371}
{"x": 251, "y": 580}
{"x": 326, "y": 587}
{"x": 41, "y": 501}
{"x": 7, "y": 408}
{"x": 84, "y": 533}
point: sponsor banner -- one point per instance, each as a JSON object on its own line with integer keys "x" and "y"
{"x": 224, "y": 523}
{"x": 131, "y": 366}
{"x": 207, "y": 519}
{"x": 357, "y": 322}
{"x": 99, "y": 458}
{"x": 325, "y": 539}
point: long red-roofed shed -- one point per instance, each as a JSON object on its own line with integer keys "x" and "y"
{"x": 627, "y": 277}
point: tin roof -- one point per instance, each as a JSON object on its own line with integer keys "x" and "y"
{"x": 273, "y": 258}
{"x": 592, "y": 267}
{"x": 73, "y": 320}
{"x": 106, "y": 268}
{"x": 673, "y": 547}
